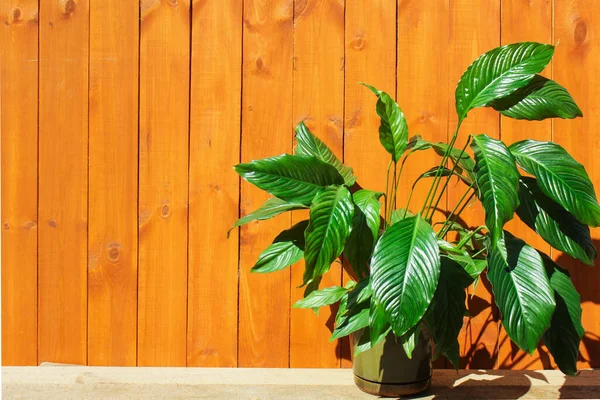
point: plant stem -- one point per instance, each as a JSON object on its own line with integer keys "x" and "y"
{"x": 432, "y": 209}
{"x": 435, "y": 183}
{"x": 464, "y": 240}
{"x": 387, "y": 183}
{"x": 398, "y": 178}
{"x": 454, "y": 214}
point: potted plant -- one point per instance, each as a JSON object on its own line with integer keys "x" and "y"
{"x": 410, "y": 273}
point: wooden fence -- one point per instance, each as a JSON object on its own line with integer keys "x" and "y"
{"x": 121, "y": 121}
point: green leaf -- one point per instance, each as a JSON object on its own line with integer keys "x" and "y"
{"x": 368, "y": 340}
{"x": 499, "y": 73}
{"x": 559, "y": 177}
{"x": 445, "y": 315}
{"x": 328, "y": 228}
{"x": 521, "y": 290}
{"x": 498, "y": 180}
{"x": 404, "y": 272}
{"x": 393, "y": 130}
{"x": 464, "y": 161}
{"x": 553, "y": 223}
{"x": 378, "y": 323}
{"x": 310, "y": 145}
{"x": 542, "y": 98}
{"x": 322, "y": 298}
{"x": 291, "y": 178}
{"x": 270, "y": 208}
{"x": 410, "y": 339}
{"x": 565, "y": 332}
{"x": 365, "y": 230}
{"x": 400, "y": 214}
{"x": 287, "y": 249}
{"x": 356, "y": 318}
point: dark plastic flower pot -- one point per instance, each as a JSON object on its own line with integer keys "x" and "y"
{"x": 385, "y": 370}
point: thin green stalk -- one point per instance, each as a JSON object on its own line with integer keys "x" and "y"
{"x": 432, "y": 210}
{"x": 453, "y": 213}
{"x": 395, "y": 188}
{"x": 464, "y": 240}
{"x": 387, "y": 183}
{"x": 435, "y": 183}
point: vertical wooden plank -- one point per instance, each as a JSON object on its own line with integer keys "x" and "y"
{"x": 538, "y": 14}
{"x": 63, "y": 181}
{"x": 214, "y": 186}
{"x": 319, "y": 102}
{"x": 163, "y": 182}
{"x": 474, "y": 29}
{"x": 113, "y": 135}
{"x": 18, "y": 125}
{"x": 423, "y": 90}
{"x": 575, "y": 67}
{"x": 266, "y": 120}
{"x": 370, "y": 41}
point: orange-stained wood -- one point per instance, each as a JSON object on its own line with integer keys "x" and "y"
{"x": 538, "y": 14}
{"x": 264, "y": 300}
{"x": 576, "y": 68}
{"x": 319, "y": 102}
{"x": 423, "y": 91}
{"x": 474, "y": 29}
{"x": 113, "y": 167}
{"x": 63, "y": 181}
{"x": 163, "y": 182}
{"x": 18, "y": 124}
{"x": 214, "y": 186}
{"x": 370, "y": 41}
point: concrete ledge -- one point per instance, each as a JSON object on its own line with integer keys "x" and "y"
{"x": 74, "y": 382}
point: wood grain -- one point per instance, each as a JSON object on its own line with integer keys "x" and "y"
{"x": 18, "y": 125}
{"x": 214, "y": 186}
{"x": 319, "y": 102}
{"x": 264, "y": 302}
{"x": 538, "y": 28}
{"x": 474, "y": 29}
{"x": 163, "y": 182}
{"x": 63, "y": 182}
{"x": 575, "y": 67}
{"x": 370, "y": 41}
{"x": 113, "y": 167}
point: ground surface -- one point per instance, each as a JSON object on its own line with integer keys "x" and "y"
{"x": 72, "y": 382}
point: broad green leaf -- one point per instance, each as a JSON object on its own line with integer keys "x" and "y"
{"x": 410, "y": 340}
{"x": 521, "y": 290}
{"x": 462, "y": 257}
{"x": 542, "y": 98}
{"x": 565, "y": 332}
{"x": 499, "y": 73}
{"x": 559, "y": 177}
{"x": 286, "y": 249}
{"x": 378, "y": 323}
{"x": 290, "y": 177}
{"x": 445, "y": 315}
{"x": 393, "y": 130}
{"x": 356, "y": 318}
{"x": 322, "y": 298}
{"x": 400, "y": 214}
{"x": 270, "y": 208}
{"x": 310, "y": 288}
{"x": 328, "y": 229}
{"x": 365, "y": 230}
{"x": 553, "y": 223}
{"x": 310, "y": 145}
{"x": 368, "y": 340}
{"x": 498, "y": 180}
{"x": 404, "y": 272}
